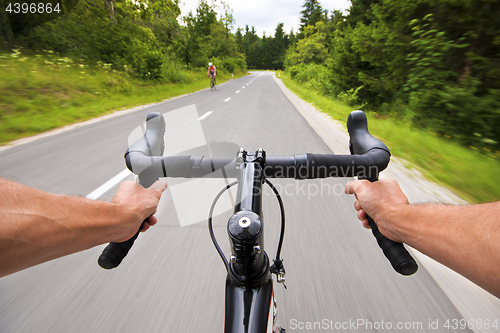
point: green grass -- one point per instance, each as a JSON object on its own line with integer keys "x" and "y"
{"x": 40, "y": 93}
{"x": 43, "y": 93}
{"x": 469, "y": 173}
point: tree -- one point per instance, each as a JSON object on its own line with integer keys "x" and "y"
{"x": 239, "y": 40}
{"x": 337, "y": 19}
{"x": 292, "y": 39}
{"x": 5, "y": 30}
{"x": 110, "y": 8}
{"x": 312, "y": 13}
{"x": 210, "y": 39}
{"x": 199, "y": 28}
{"x": 278, "y": 47}
{"x": 312, "y": 48}
{"x": 227, "y": 18}
{"x": 252, "y": 51}
{"x": 360, "y": 11}
{"x": 206, "y": 17}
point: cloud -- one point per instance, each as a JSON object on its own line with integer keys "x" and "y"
{"x": 265, "y": 15}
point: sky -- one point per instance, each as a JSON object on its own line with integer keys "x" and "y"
{"x": 265, "y": 15}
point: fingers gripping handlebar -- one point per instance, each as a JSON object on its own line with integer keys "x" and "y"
{"x": 368, "y": 157}
{"x": 151, "y": 144}
{"x": 362, "y": 142}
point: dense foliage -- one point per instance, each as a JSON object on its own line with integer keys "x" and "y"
{"x": 143, "y": 38}
{"x": 434, "y": 62}
{"x": 266, "y": 52}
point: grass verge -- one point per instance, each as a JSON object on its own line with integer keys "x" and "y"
{"x": 40, "y": 93}
{"x": 469, "y": 173}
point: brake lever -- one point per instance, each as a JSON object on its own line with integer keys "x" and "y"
{"x": 361, "y": 142}
{"x": 151, "y": 144}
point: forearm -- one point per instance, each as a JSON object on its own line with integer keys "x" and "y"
{"x": 464, "y": 238}
{"x": 37, "y": 226}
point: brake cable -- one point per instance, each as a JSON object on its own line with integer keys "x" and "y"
{"x": 277, "y": 267}
{"x": 211, "y": 229}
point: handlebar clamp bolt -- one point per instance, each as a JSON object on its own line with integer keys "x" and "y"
{"x": 244, "y": 222}
{"x": 232, "y": 259}
{"x": 256, "y": 249}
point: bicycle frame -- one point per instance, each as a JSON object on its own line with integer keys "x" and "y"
{"x": 212, "y": 82}
{"x": 249, "y": 296}
{"x": 249, "y": 285}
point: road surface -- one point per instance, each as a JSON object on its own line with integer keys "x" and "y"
{"x": 173, "y": 279}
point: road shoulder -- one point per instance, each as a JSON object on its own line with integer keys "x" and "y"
{"x": 470, "y": 300}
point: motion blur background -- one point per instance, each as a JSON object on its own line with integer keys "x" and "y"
{"x": 427, "y": 73}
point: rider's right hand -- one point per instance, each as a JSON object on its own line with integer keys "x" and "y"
{"x": 379, "y": 200}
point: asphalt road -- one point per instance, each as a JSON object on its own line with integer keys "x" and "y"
{"x": 173, "y": 279}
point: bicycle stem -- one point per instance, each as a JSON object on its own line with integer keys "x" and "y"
{"x": 249, "y": 263}
{"x": 368, "y": 157}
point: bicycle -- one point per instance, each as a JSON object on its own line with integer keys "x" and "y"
{"x": 212, "y": 83}
{"x": 250, "y": 305}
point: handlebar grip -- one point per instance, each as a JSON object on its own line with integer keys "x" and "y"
{"x": 149, "y": 147}
{"x": 361, "y": 142}
{"x": 114, "y": 253}
{"x": 400, "y": 259}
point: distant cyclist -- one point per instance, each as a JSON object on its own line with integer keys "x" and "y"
{"x": 212, "y": 71}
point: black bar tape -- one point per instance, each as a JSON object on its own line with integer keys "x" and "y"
{"x": 398, "y": 256}
{"x": 143, "y": 158}
{"x": 114, "y": 253}
{"x": 396, "y": 253}
{"x": 303, "y": 166}
{"x": 191, "y": 166}
{"x": 312, "y": 166}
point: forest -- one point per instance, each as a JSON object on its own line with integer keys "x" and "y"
{"x": 147, "y": 38}
{"x": 435, "y": 63}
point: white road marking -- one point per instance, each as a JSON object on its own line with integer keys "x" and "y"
{"x": 205, "y": 115}
{"x": 238, "y": 91}
{"x": 243, "y": 87}
{"x": 109, "y": 184}
{"x": 227, "y": 99}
